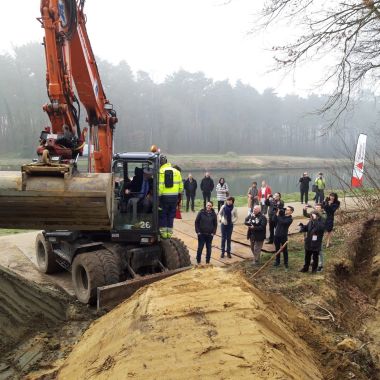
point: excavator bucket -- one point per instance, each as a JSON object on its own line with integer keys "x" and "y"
{"x": 55, "y": 201}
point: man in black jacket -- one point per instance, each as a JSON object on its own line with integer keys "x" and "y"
{"x": 205, "y": 226}
{"x": 190, "y": 187}
{"x": 283, "y": 219}
{"x": 207, "y": 186}
{"x": 313, "y": 240}
{"x": 274, "y": 203}
{"x": 304, "y": 187}
{"x": 257, "y": 224}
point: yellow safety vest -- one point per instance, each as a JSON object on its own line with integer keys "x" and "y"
{"x": 177, "y": 187}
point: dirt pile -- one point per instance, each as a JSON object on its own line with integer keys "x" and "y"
{"x": 205, "y": 323}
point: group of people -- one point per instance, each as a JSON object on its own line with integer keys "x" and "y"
{"x": 321, "y": 221}
{"x": 206, "y": 224}
{"x": 318, "y": 188}
{"x": 264, "y": 207}
{"x": 267, "y": 208}
{"x": 207, "y": 187}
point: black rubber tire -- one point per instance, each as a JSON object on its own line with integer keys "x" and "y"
{"x": 170, "y": 254}
{"x": 45, "y": 257}
{"x": 183, "y": 252}
{"x": 111, "y": 266}
{"x": 87, "y": 275}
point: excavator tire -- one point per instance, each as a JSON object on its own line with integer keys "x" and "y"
{"x": 45, "y": 256}
{"x": 183, "y": 252}
{"x": 170, "y": 254}
{"x": 87, "y": 275}
{"x": 111, "y": 266}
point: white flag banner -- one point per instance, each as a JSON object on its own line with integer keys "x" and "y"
{"x": 357, "y": 173}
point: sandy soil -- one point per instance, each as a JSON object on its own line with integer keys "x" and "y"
{"x": 205, "y": 323}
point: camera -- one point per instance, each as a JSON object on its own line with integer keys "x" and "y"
{"x": 281, "y": 211}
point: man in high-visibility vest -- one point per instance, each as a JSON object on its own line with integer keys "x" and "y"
{"x": 170, "y": 186}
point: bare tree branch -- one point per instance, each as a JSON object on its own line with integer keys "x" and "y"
{"x": 347, "y": 30}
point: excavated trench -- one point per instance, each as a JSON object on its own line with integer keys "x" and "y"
{"x": 32, "y": 318}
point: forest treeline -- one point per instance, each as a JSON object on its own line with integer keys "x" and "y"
{"x": 187, "y": 113}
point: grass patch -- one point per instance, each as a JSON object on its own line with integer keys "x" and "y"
{"x": 9, "y": 231}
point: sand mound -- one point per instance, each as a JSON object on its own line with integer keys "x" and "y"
{"x": 205, "y": 323}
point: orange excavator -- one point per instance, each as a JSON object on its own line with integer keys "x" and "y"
{"x": 102, "y": 224}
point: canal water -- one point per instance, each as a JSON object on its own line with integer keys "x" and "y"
{"x": 284, "y": 181}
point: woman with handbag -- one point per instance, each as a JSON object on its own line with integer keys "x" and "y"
{"x": 228, "y": 216}
{"x": 221, "y": 192}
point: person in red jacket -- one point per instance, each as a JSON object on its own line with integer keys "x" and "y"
{"x": 264, "y": 192}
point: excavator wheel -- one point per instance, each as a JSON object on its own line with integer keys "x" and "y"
{"x": 92, "y": 270}
{"x": 170, "y": 254}
{"x": 45, "y": 256}
{"x": 111, "y": 266}
{"x": 183, "y": 252}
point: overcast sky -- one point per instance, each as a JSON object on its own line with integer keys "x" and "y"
{"x": 163, "y": 36}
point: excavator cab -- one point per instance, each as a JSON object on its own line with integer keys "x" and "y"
{"x": 135, "y": 204}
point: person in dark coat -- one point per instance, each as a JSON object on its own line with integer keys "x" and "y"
{"x": 283, "y": 219}
{"x": 205, "y": 226}
{"x": 257, "y": 224}
{"x": 130, "y": 188}
{"x": 207, "y": 186}
{"x": 313, "y": 240}
{"x": 190, "y": 187}
{"x": 304, "y": 182}
{"x": 273, "y": 202}
{"x": 317, "y": 208}
{"x": 330, "y": 205}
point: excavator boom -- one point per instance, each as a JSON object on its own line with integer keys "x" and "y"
{"x": 51, "y": 194}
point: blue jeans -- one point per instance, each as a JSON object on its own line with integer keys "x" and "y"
{"x": 226, "y": 237}
{"x": 202, "y": 240}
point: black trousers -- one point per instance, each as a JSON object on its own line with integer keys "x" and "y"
{"x": 278, "y": 242}
{"x": 204, "y": 239}
{"x": 220, "y": 204}
{"x": 206, "y": 198}
{"x": 319, "y": 196}
{"x": 306, "y": 194}
{"x": 308, "y": 255}
{"x": 272, "y": 226}
{"x": 190, "y": 199}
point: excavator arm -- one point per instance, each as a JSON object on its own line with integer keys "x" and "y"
{"x": 70, "y": 61}
{"x": 51, "y": 194}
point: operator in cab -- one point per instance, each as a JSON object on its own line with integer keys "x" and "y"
{"x": 170, "y": 186}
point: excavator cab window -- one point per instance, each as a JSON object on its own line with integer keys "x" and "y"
{"x": 135, "y": 192}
